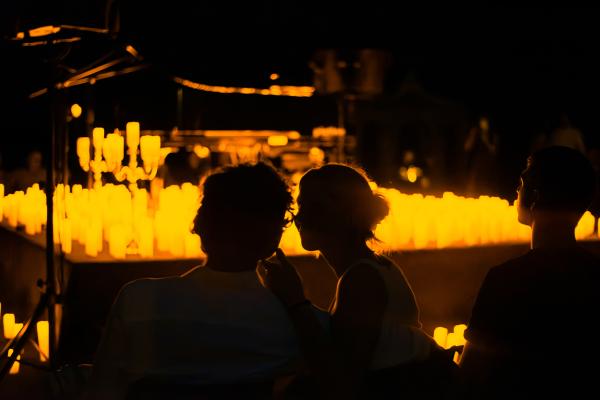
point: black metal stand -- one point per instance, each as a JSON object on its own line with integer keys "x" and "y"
{"x": 50, "y": 298}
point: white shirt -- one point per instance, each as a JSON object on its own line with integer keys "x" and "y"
{"x": 204, "y": 327}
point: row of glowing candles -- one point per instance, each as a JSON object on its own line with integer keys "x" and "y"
{"x": 113, "y": 216}
{"x": 11, "y": 328}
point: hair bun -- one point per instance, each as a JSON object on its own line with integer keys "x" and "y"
{"x": 379, "y": 209}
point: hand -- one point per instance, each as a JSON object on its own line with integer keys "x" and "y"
{"x": 282, "y": 279}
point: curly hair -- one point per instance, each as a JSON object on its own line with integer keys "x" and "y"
{"x": 243, "y": 203}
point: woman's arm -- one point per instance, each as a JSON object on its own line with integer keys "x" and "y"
{"x": 338, "y": 361}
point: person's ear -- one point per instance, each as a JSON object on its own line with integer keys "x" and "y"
{"x": 528, "y": 196}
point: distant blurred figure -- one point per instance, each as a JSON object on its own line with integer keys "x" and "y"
{"x": 481, "y": 149}
{"x": 34, "y": 172}
{"x": 567, "y": 135}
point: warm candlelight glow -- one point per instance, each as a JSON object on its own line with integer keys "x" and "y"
{"x": 277, "y": 140}
{"x": 117, "y": 241}
{"x": 43, "y": 334}
{"x": 109, "y": 153}
{"x": 414, "y": 222}
{"x": 98, "y": 138}
{"x": 459, "y": 331}
{"x": 14, "y": 369}
{"x": 83, "y": 151}
{"x": 451, "y": 340}
{"x": 8, "y": 323}
{"x": 202, "y": 151}
{"x": 132, "y": 131}
{"x": 76, "y": 110}
{"x": 447, "y": 339}
{"x": 412, "y": 174}
{"x": 440, "y": 335}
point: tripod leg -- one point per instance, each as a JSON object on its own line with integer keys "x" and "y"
{"x": 21, "y": 339}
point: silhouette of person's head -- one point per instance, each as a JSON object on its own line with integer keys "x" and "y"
{"x": 336, "y": 204}
{"x": 559, "y": 182}
{"x": 243, "y": 211}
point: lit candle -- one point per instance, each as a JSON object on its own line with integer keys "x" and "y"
{"x": 145, "y": 148}
{"x": 14, "y": 369}
{"x": 192, "y": 245}
{"x": 83, "y": 149}
{"x": 146, "y": 235}
{"x": 65, "y": 237}
{"x": 150, "y": 150}
{"x": 155, "y": 149}
{"x": 117, "y": 243}
{"x": 132, "y": 130}
{"x": 91, "y": 242}
{"x": 113, "y": 150}
{"x": 8, "y": 322}
{"x": 439, "y": 335}
{"x": 98, "y": 138}
{"x": 43, "y": 332}
{"x": 56, "y": 228}
{"x": 119, "y": 148}
{"x": 451, "y": 340}
{"x": 177, "y": 247}
{"x": 459, "y": 331}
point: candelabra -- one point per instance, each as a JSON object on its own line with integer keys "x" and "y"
{"x": 112, "y": 148}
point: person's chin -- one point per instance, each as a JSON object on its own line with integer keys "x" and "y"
{"x": 524, "y": 218}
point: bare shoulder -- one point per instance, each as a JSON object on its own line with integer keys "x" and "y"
{"x": 362, "y": 278}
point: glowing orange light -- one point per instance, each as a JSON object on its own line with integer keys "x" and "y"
{"x": 328, "y": 132}
{"x": 43, "y": 333}
{"x": 44, "y": 31}
{"x": 202, "y": 151}
{"x": 412, "y": 174}
{"x": 439, "y": 335}
{"x": 161, "y": 221}
{"x": 316, "y": 155}
{"x": 76, "y": 110}
{"x": 8, "y": 323}
{"x": 277, "y": 140}
{"x": 274, "y": 77}
{"x": 274, "y": 90}
{"x": 14, "y": 369}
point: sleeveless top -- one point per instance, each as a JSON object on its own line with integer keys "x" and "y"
{"x": 401, "y": 340}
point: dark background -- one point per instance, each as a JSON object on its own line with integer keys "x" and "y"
{"x": 521, "y": 66}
